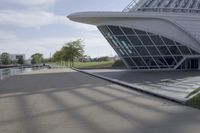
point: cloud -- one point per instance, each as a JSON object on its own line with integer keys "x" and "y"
{"x": 36, "y": 19}
{"x": 29, "y": 2}
{"x": 7, "y": 35}
{"x": 27, "y": 18}
{"x": 93, "y": 45}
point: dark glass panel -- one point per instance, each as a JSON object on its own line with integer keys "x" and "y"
{"x": 146, "y": 40}
{"x": 128, "y": 31}
{"x": 138, "y": 61}
{"x": 178, "y": 44}
{"x": 139, "y": 32}
{"x": 123, "y": 40}
{"x": 134, "y": 40}
{"x": 153, "y": 51}
{"x": 194, "y": 52}
{"x": 184, "y": 50}
{"x": 168, "y": 41}
{"x": 104, "y": 29}
{"x": 149, "y": 61}
{"x": 134, "y": 53}
{"x": 160, "y": 61}
{"x": 178, "y": 58}
{"x": 157, "y": 40}
{"x": 163, "y": 50}
{"x": 115, "y": 30}
{"x": 112, "y": 41}
{"x": 129, "y": 61}
{"x": 143, "y": 68}
{"x": 194, "y": 64}
{"x": 142, "y": 51}
{"x": 170, "y": 61}
{"x": 121, "y": 52}
{"x": 174, "y": 50}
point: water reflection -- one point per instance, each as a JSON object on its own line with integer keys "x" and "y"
{"x": 8, "y": 72}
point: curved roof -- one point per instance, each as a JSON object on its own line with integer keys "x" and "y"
{"x": 175, "y": 26}
{"x": 183, "y": 6}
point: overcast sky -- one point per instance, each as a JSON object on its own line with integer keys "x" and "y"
{"x": 30, "y": 26}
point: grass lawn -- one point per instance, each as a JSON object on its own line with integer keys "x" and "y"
{"x": 194, "y": 101}
{"x": 93, "y": 65}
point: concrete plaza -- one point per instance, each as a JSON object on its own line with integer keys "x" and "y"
{"x": 66, "y": 101}
{"x": 175, "y": 85}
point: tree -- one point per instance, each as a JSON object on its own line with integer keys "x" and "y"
{"x": 20, "y": 61}
{"x": 37, "y": 58}
{"x": 72, "y": 50}
{"x": 5, "y": 59}
{"x": 57, "y": 56}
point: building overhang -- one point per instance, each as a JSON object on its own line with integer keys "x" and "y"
{"x": 162, "y": 23}
{"x": 95, "y": 18}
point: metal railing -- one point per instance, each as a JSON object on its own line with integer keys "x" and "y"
{"x": 187, "y": 6}
{"x": 133, "y": 5}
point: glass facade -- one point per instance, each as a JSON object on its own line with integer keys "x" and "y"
{"x": 144, "y": 50}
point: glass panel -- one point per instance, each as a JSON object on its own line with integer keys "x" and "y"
{"x": 128, "y": 31}
{"x": 160, "y": 61}
{"x": 104, "y": 29}
{"x": 194, "y": 52}
{"x": 174, "y": 50}
{"x": 129, "y": 61}
{"x": 149, "y": 61}
{"x": 157, "y": 40}
{"x": 112, "y": 42}
{"x": 178, "y": 43}
{"x": 142, "y": 51}
{"x": 123, "y": 40}
{"x": 194, "y": 64}
{"x": 163, "y": 50}
{"x": 121, "y": 52}
{"x": 134, "y": 40}
{"x": 138, "y": 61}
{"x": 134, "y": 53}
{"x": 146, "y": 40}
{"x": 168, "y": 41}
{"x": 153, "y": 51}
{"x": 178, "y": 58}
{"x": 184, "y": 50}
{"x": 116, "y": 30}
{"x": 139, "y": 32}
{"x": 170, "y": 61}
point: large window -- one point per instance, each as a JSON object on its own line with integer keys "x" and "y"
{"x": 145, "y": 50}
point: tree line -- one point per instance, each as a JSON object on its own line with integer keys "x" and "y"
{"x": 70, "y": 52}
{"x": 6, "y": 60}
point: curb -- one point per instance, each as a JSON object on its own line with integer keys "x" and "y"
{"x": 128, "y": 85}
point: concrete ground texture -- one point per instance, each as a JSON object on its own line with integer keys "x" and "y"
{"x": 176, "y": 85}
{"x": 66, "y": 101}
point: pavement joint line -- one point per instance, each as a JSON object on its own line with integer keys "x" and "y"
{"x": 128, "y": 85}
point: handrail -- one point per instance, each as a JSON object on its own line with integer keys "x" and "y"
{"x": 133, "y": 5}
{"x": 164, "y": 6}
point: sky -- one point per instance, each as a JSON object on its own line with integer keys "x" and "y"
{"x": 41, "y": 26}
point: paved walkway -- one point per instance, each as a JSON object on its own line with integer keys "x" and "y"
{"x": 65, "y": 101}
{"x": 173, "y": 84}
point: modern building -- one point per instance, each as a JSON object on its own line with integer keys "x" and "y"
{"x": 152, "y": 34}
{"x": 15, "y": 57}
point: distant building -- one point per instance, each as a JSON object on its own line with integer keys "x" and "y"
{"x": 15, "y": 57}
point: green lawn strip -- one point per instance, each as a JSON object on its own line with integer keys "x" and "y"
{"x": 85, "y": 65}
{"x": 194, "y": 101}
{"x": 193, "y": 92}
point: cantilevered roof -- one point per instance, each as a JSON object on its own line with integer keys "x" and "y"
{"x": 183, "y": 6}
